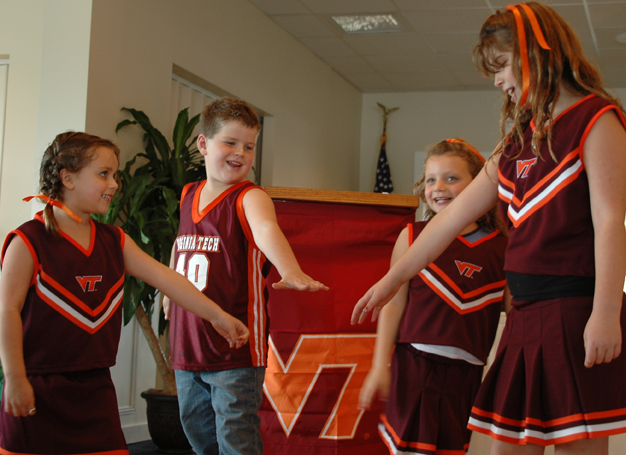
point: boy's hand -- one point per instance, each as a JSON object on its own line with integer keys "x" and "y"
{"x": 19, "y": 397}
{"x": 376, "y": 385}
{"x": 299, "y": 281}
{"x": 232, "y": 329}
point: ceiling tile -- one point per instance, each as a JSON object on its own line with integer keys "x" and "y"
{"x": 405, "y": 63}
{"x": 465, "y": 20}
{"x": 434, "y": 52}
{"x": 606, "y": 38}
{"x": 458, "y": 61}
{"x": 349, "y": 65}
{"x": 387, "y": 43}
{"x": 328, "y": 47}
{"x": 574, "y": 15}
{"x": 474, "y": 79}
{"x": 502, "y": 4}
{"x": 280, "y": 6}
{"x": 613, "y": 59}
{"x": 302, "y": 25}
{"x": 370, "y": 82}
{"x": 418, "y": 5}
{"x": 350, "y": 6}
{"x": 607, "y": 15}
{"x": 452, "y": 42}
{"x": 424, "y": 81}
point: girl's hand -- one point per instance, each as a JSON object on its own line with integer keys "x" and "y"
{"x": 299, "y": 281}
{"x": 19, "y": 397}
{"x": 374, "y": 299}
{"x": 376, "y": 385}
{"x": 603, "y": 338}
{"x": 232, "y": 329}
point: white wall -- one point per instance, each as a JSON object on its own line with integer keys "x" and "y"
{"x": 47, "y": 45}
{"x": 424, "y": 118}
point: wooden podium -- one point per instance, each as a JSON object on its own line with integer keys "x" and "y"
{"x": 317, "y": 361}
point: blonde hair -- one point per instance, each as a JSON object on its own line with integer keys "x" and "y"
{"x": 71, "y": 151}
{"x": 475, "y": 162}
{"x": 549, "y": 69}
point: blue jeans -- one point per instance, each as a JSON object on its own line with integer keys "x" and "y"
{"x": 219, "y": 410}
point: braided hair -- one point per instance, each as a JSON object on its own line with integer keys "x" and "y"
{"x": 71, "y": 151}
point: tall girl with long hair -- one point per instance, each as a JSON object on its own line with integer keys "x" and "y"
{"x": 559, "y": 175}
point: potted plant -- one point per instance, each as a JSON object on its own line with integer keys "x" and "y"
{"x": 146, "y": 207}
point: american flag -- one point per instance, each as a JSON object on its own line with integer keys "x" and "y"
{"x": 383, "y": 175}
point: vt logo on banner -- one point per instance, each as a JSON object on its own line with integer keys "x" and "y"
{"x": 289, "y": 384}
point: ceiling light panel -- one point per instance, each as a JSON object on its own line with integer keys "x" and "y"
{"x": 368, "y": 24}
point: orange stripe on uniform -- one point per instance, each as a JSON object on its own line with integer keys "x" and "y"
{"x": 257, "y": 318}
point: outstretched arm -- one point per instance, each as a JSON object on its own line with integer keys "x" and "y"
{"x": 261, "y": 217}
{"x": 474, "y": 201}
{"x": 177, "y": 287}
{"x": 17, "y": 272}
{"x": 604, "y": 155}
{"x": 378, "y": 380}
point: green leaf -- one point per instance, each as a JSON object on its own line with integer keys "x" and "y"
{"x": 171, "y": 200}
{"x": 179, "y": 130}
{"x": 141, "y": 118}
{"x": 124, "y": 123}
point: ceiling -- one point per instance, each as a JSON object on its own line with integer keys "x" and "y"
{"x": 433, "y": 52}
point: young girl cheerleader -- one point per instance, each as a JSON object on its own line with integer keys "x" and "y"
{"x": 60, "y": 314}
{"x": 443, "y": 322}
{"x": 559, "y": 174}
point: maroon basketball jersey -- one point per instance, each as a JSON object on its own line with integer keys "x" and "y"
{"x": 546, "y": 202}
{"x": 456, "y": 300}
{"x": 72, "y": 316}
{"x": 216, "y": 252}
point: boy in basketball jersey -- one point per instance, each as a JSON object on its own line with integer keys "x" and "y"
{"x": 228, "y": 236}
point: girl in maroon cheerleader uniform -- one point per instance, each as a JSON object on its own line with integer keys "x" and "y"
{"x": 559, "y": 176}
{"x": 442, "y": 323}
{"x": 60, "y": 307}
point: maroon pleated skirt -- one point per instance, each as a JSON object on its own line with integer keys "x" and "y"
{"x": 77, "y": 413}
{"x": 538, "y": 390}
{"x": 429, "y": 403}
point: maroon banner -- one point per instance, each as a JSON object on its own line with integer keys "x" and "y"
{"x": 317, "y": 361}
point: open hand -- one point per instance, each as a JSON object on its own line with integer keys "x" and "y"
{"x": 299, "y": 282}
{"x": 373, "y": 301}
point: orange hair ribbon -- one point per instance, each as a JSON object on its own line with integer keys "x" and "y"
{"x": 523, "y": 47}
{"x": 55, "y": 203}
{"x": 469, "y": 147}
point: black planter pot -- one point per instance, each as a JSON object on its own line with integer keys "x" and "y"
{"x": 164, "y": 424}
